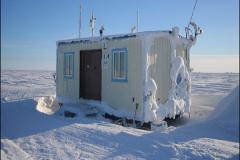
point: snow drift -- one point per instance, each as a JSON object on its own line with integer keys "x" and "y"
{"x": 226, "y": 114}
{"x": 228, "y": 108}
{"x": 48, "y": 105}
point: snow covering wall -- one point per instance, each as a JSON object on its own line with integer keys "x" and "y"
{"x": 155, "y": 50}
{"x": 178, "y": 100}
{"x": 181, "y": 51}
{"x": 159, "y": 69}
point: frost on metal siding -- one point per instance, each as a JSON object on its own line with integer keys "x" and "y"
{"x": 124, "y": 95}
{"x": 181, "y": 51}
{"x": 160, "y": 59}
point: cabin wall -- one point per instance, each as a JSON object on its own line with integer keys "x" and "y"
{"x": 124, "y": 95}
{"x": 119, "y": 95}
{"x": 160, "y": 59}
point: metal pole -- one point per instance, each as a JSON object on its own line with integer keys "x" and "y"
{"x": 137, "y": 20}
{"x": 92, "y": 23}
{"x": 80, "y": 19}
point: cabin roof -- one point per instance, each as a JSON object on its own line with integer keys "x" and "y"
{"x": 113, "y": 37}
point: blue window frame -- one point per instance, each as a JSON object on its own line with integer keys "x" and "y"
{"x": 119, "y": 64}
{"x": 68, "y": 65}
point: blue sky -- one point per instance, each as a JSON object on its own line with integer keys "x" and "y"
{"x": 30, "y": 28}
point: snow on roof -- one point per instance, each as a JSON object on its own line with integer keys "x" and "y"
{"x": 113, "y": 37}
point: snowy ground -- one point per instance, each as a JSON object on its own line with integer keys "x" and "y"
{"x": 20, "y": 85}
{"x": 212, "y": 132}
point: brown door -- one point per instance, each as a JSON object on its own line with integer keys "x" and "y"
{"x": 90, "y": 74}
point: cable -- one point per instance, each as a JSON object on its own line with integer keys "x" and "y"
{"x": 192, "y": 12}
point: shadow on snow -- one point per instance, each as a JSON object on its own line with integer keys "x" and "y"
{"x": 20, "y": 119}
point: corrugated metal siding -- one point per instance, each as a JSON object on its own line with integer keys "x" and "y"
{"x": 160, "y": 68}
{"x": 181, "y": 51}
{"x": 121, "y": 94}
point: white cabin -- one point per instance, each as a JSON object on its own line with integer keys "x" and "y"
{"x": 142, "y": 76}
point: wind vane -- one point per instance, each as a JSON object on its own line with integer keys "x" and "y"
{"x": 92, "y": 23}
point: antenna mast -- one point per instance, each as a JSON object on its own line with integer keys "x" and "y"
{"x": 137, "y": 20}
{"x": 92, "y": 23}
{"x": 197, "y": 29}
{"x": 80, "y": 19}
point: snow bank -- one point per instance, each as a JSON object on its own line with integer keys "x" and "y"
{"x": 48, "y": 105}
{"x": 228, "y": 107}
{"x": 226, "y": 114}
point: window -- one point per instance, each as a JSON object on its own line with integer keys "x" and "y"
{"x": 68, "y": 65}
{"x": 119, "y": 67}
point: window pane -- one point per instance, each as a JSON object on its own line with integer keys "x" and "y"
{"x": 118, "y": 64}
{"x": 72, "y": 64}
{"x": 121, "y": 64}
{"x": 64, "y": 65}
{"x": 114, "y": 63}
{"x": 68, "y": 64}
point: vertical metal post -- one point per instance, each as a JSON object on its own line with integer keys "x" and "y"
{"x": 137, "y": 20}
{"x": 80, "y": 19}
{"x": 92, "y": 23}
